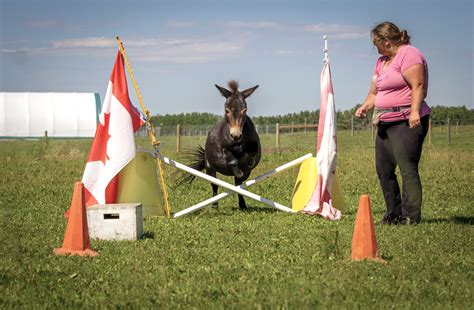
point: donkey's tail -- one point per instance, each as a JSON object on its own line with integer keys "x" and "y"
{"x": 196, "y": 159}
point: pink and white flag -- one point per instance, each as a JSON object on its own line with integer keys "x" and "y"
{"x": 113, "y": 146}
{"x": 321, "y": 201}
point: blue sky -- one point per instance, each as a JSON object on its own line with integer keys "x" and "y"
{"x": 179, "y": 49}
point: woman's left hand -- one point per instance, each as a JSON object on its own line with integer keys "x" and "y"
{"x": 414, "y": 119}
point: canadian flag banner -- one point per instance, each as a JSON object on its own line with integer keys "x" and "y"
{"x": 113, "y": 146}
{"x": 321, "y": 202}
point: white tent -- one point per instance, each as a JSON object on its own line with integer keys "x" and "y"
{"x": 61, "y": 114}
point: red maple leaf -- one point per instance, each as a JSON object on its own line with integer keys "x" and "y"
{"x": 99, "y": 145}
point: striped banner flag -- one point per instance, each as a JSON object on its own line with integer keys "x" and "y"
{"x": 321, "y": 202}
{"x": 113, "y": 146}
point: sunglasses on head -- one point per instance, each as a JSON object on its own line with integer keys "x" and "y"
{"x": 376, "y": 41}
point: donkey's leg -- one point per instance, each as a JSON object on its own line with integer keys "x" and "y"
{"x": 214, "y": 187}
{"x": 239, "y": 181}
{"x": 252, "y": 162}
{"x": 252, "y": 149}
{"x": 233, "y": 164}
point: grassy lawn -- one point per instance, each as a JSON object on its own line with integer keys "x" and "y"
{"x": 221, "y": 258}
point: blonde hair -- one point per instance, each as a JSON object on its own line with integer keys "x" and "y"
{"x": 391, "y": 32}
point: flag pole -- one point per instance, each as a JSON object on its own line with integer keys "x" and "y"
{"x": 154, "y": 141}
{"x": 325, "y": 48}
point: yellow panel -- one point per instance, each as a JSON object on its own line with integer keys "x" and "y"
{"x": 138, "y": 183}
{"x": 306, "y": 183}
{"x": 336, "y": 194}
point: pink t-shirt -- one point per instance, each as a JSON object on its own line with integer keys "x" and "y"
{"x": 392, "y": 89}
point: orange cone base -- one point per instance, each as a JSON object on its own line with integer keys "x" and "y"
{"x": 64, "y": 251}
{"x": 376, "y": 259}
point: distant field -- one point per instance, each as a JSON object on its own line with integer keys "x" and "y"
{"x": 221, "y": 258}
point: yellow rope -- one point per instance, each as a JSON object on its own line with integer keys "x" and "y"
{"x": 154, "y": 142}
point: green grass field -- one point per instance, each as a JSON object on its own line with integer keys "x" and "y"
{"x": 226, "y": 258}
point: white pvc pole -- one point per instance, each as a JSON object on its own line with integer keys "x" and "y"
{"x": 233, "y": 188}
{"x": 243, "y": 185}
{"x": 325, "y": 48}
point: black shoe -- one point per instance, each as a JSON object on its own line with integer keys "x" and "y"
{"x": 390, "y": 220}
{"x": 408, "y": 221}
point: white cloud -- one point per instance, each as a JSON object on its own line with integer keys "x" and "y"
{"x": 46, "y": 23}
{"x": 84, "y": 43}
{"x": 181, "y": 24}
{"x": 337, "y": 31}
{"x": 252, "y": 25}
{"x": 285, "y": 52}
{"x": 23, "y": 50}
{"x": 159, "y": 50}
{"x": 189, "y": 51}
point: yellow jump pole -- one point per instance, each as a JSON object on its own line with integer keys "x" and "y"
{"x": 154, "y": 142}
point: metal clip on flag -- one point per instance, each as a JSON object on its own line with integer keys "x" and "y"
{"x": 326, "y": 58}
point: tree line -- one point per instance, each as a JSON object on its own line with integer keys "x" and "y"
{"x": 439, "y": 115}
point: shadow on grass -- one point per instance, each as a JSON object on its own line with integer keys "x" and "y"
{"x": 148, "y": 235}
{"x": 462, "y": 220}
{"x": 221, "y": 211}
{"x": 251, "y": 209}
{"x": 387, "y": 258}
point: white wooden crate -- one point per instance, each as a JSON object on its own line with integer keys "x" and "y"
{"x": 115, "y": 221}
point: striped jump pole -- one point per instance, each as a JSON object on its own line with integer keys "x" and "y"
{"x": 245, "y": 185}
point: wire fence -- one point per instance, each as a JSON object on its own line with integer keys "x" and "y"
{"x": 441, "y": 132}
{"x": 352, "y": 125}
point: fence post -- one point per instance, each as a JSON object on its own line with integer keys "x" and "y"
{"x": 352, "y": 125}
{"x": 46, "y": 137}
{"x": 256, "y": 128}
{"x": 430, "y": 131}
{"x": 457, "y": 127}
{"x": 292, "y": 129}
{"x": 449, "y": 131}
{"x": 277, "y": 135}
{"x": 305, "y": 125}
{"x": 178, "y": 142}
{"x": 266, "y": 129}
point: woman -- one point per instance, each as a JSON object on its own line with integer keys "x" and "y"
{"x": 399, "y": 87}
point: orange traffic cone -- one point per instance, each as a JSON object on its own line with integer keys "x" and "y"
{"x": 364, "y": 244}
{"x": 76, "y": 239}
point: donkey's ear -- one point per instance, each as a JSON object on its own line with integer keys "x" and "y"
{"x": 246, "y": 93}
{"x": 224, "y": 92}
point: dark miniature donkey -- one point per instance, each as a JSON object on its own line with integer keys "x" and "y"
{"x": 232, "y": 146}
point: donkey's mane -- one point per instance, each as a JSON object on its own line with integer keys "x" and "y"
{"x": 233, "y": 85}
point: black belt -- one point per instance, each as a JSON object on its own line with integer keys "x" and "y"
{"x": 395, "y": 109}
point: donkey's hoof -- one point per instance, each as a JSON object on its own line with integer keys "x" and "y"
{"x": 251, "y": 163}
{"x": 214, "y": 205}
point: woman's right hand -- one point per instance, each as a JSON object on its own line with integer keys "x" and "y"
{"x": 361, "y": 112}
{"x": 369, "y": 102}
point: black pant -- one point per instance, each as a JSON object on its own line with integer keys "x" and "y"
{"x": 397, "y": 144}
